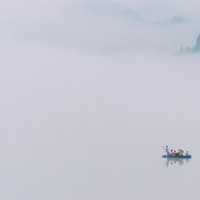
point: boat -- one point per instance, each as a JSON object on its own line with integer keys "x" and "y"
{"x": 184, "y": 156}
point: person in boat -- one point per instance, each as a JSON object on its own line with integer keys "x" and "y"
{"x": 174, "y": 153}
{"x": 166, "y": 150}
{"x": 180, "y": 152}
{"x": 187, "y": 153}
{"x": 171, "y": 152}
{"x": 177, "y": 154}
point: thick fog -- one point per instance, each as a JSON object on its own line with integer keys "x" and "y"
{"x": 90, "y": 92}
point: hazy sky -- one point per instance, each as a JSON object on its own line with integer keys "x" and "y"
{"x": 88, "y": 90}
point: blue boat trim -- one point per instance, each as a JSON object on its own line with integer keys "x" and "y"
{"x": 165, "y": 156}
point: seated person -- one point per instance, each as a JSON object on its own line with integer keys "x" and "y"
{"x": 180, "y": 153}
{"x": 174, "y": 153}
{"x": 171, "y": 152}
{"x": 177, "y": 154}
{"x": 187, "y": 153}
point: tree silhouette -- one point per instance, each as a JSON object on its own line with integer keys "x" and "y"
{"x": 197, "y": 46}
{"x": 194, "y": 49}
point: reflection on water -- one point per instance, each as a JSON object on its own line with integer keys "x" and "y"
{"x": 177, "y": 161}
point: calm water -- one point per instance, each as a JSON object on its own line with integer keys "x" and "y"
{"x": 97, "y": 172}
{"x": 95, "y": 132}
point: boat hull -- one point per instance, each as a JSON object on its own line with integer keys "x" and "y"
{"x": 165, "y": 156}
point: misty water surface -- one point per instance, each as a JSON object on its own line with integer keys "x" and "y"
{"x": 95, "y": 130}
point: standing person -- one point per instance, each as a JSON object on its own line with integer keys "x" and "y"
{"x": 166, "y": 150}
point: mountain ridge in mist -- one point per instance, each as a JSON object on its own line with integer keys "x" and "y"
{"x": 110, "y": 9}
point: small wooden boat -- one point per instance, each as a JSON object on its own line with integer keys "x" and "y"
{"x": 188, "y": 156}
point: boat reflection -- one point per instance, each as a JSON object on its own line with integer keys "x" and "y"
{"x": 177, "y": 161}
